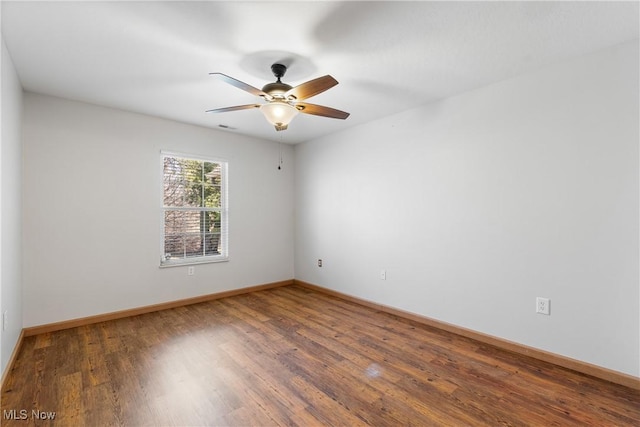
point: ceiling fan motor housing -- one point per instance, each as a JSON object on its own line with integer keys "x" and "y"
{"x": 276, "y": 89}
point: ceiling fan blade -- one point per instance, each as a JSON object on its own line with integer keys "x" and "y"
{"x": 236, "y": 108}
{"x": 241, "y": 85}
{"x": 320, "y": 110}
{"x": 311, "y": 88}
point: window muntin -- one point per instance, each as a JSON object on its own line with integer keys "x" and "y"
{"x": 194, "y": 210}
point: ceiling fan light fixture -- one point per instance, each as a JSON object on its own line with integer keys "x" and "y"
{"x": 279, "y": 113}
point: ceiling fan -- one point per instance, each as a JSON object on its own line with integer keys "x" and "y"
{"x": 283, "y": 101}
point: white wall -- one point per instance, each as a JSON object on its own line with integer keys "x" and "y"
{"x": 10, "y": 208}
{"x": 92, "y": 219}
{"x": 480, "y": 203}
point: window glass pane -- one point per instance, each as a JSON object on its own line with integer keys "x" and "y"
{"x": 193, "y": 245}
{"x": 173, "y": 222}
{"x": 213, "y": 222}
{"x": 212, "y": 244}
{"x": 173, "y": 246}
{"x": 193, "y": 194}
{"x": 211, "y": 196}
{"x": 193, "y": 183}
{"x": 192, "y": 222}
{"x": 213, "y": 173}
{"x": 192, "y": 170}
{"x": 174, "y": 189}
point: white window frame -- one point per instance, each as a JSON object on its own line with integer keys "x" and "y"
{"x": 223, "y": 209}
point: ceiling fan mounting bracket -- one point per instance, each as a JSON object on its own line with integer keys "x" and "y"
{"x": 278, "y": 70}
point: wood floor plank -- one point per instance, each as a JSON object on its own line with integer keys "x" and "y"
{"x": 70, "y": 392}
{"x": 326, "y": 409}
{"x": 292, "y": 356}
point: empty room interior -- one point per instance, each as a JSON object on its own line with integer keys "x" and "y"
{"x": 320, "y": 213}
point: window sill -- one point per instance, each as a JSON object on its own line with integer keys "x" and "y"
{"x": 182, "y": 263}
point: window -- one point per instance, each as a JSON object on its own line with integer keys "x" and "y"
{"x": 194, "y": 210}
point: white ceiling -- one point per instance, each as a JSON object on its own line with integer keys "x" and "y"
{"x": 154, "y": 57}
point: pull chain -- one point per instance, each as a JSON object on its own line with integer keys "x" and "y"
{"x": 280, "y": 153}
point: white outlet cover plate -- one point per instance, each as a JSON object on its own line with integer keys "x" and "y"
{"x": 542, "y": 306}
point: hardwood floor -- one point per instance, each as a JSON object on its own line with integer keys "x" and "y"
{"x": 292, "y": 356}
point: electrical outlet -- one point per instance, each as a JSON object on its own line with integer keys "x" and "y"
{"x": 191, "y": 271}
{"x": 542, "y": 306}
{"x": 319, "y": 263}
{"x": 383, "y": 274}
